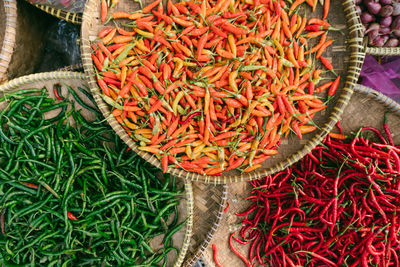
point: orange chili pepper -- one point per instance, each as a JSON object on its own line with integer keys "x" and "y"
{"x": 323, "y": 47}
{"x": 327, "y": 6}
{"x": 104, "y": 10}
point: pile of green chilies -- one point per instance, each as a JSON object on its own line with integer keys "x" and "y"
{"x": 74, "y": 195}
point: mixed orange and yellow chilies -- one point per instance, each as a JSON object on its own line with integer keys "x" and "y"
{"x": 212, "y": 86}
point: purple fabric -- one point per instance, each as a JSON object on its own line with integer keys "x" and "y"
{"x": 384, "y": 77}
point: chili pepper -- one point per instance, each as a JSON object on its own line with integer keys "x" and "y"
{"x": 327, "y": 5}
{"x": 318, "y": 21}
{"x": 387, "y": 131}
{"x": 236, "y": 252}
{"x": 323, "y": 47}
{"x": 315, "y": 28}
{"x": 335, "y": 85}
{"x": 56, "y": 91}
{"x": 326, "y": 63}
{"x": 295, "y": 5}
{"x": 216, "y": 261}
{"x": 104, "y": 10}
{"x": 104, "y": 32}
{"x": 149, "y": 7}
{"x": 72, "y": 217}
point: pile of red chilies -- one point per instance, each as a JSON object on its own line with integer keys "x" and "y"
{"x": 339, "y": 206}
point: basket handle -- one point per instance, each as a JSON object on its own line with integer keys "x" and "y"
{"x": 75, "y": 18}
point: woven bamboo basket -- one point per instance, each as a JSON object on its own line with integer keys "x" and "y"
{"x": 209, "y": 203}
{"x": 21, "y": 34}
{"x": 347, "y": 54}
{"x": 75, "y": 18}
{"x": 367, "y": 108}
{"x": 75, "y": 79}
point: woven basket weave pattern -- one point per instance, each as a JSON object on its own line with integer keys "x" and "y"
{"x": 352, "y": 55}
{"x": 7, "y": 39}
{"x": 210, "y": 202}
{"x": 76, "y": 78}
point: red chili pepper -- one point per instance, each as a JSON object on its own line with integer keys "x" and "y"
{"x": 237, "y": 253}
{"x": 191, "y": 116}
{"x": 334, "y": 86}
{"x": 387, "y": 131}
{"x": 215, "y": 257}
{"x": 72, "y": 217}
{"x": 33, "y": 186}
{"x": 104, "y": 32}
{"x": 103, "y": 86}
{"x": 248, "y": 139}
{"x": 227, "y": 207}
{"x": 314, "y": 28}
{"x": 327, "y": 63}
{"x": 233, "y": 29}
{"x": 56, "y": 91}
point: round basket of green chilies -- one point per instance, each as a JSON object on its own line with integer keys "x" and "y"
{"x": 72, "y": 193}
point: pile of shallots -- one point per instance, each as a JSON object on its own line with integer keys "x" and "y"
{"x": 381, "y": 20}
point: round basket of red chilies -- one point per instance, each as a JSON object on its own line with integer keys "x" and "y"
{"x": 221, "y": 91}
{"x": 338, "y": 206}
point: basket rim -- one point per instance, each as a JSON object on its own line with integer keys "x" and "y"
{"x": 75, "y": 18}
{"x": 8, "y": 45}
{"x": 356, "y": 56}
{"x": 386, "y": 101}
{"x": 215, "y": 225}
{"x": 382, "y": 51}
{"x": 68, "y": 75}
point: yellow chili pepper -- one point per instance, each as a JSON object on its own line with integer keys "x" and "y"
{"x": 250, "y": 108}
{"x": 279, "y": 47}
{"x": 178, "y": 67}
{"x": 188, "y": 151}
{"x": 232, "y": 80}
{"x": 144, "y": 33}
{"x": 291, "y": 57}
{"x": 130, "y": 124}
{"x": 212, "y": 156}
{"x": 221, "y": 157}
{"x": 254, "y": 146}
{"x": 140, "y": 44}
{"x": 197, "y": 151}
{"x": 232, "y": 44}
{"x": 189, "y": 64}
{"x": 207, "y": 102}
{"x": 176, "y": 101}
{"x": 208, "y": 149}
